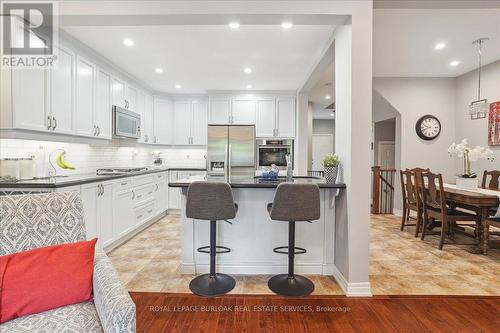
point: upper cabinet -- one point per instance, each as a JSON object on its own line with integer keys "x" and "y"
{"x": 118, "y": 92}
{"x": 231, "y": 110}
{"x": 85, "y": 98}
{"x": 163, "y": 121}
{"x": 219, "y": 111}
{"x": 131, "y": 98}
{"x": 62, "y": 92}
{"x": 102, "y": 110}
{"x": 190, "y": 122}
{"x": 285, "y": 117}
{"x": 243, "y": 111}
{"x": 147, "y": 125}
{"x": 266, "y": 117}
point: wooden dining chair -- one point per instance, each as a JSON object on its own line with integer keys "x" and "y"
{"x": 435, "y": 207}
{"x": 411, "y": 200}
{"x": 492, "y": 222}
{"x": 494, "y": 182}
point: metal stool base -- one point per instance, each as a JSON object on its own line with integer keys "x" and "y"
{"x": 207, "y": 286}
{"x": 284, "y": 285}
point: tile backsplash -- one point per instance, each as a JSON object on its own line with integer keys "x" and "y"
{"x": 87, "y": 158}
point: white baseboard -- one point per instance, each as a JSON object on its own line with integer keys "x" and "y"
{"x": 352, "y": 289}
{"x": 252, "y": 269}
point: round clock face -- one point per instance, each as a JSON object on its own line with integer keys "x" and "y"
{"x": 428, "y": 127}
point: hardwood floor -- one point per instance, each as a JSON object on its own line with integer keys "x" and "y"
{"x": 162, "y": 312}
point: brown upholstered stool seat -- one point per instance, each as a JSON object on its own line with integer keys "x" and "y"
{"x": 293, "y": 203}
{"x": 211, "y": 201}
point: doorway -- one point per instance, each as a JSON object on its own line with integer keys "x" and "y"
{"x": 322, "y": 144}
{"x": 386, "y": 154}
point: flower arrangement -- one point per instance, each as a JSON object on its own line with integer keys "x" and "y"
{"x": 463, "y": 150}
{"x": 330, "y": 160}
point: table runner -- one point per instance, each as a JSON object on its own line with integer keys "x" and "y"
{"x": 479, "y": 190}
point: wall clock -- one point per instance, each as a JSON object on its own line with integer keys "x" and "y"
{"x": 428, "y": 127}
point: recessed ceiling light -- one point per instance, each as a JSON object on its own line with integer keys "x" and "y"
{"x": 247, "y": 70}
{"x": 328, "y": 97}
{"x": 234, "y": 25}
{"x": 128, "y": 42}
{"x": 454, "y": 63}
{"x": 178, "y": 86}
{"x": 440, "y": 46}
{"x": 159, "y": 70}
{"x": 249, "y": 86}
{"x": 286, "y": 25}
{"x": 332, "y": 114}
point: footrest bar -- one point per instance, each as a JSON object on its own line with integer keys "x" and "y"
{"x": 297, "y": 250}
{"x": 206, "y": 249}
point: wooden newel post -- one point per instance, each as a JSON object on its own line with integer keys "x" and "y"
{"x": 376, "y": 190}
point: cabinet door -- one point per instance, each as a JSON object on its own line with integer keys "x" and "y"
{"x": 30, "y": 113}
{"x": 174, "y": 195}
{"x": 219, "y": 110}
{"x": 105, "y": 203}
{"x": 147, "y": 120}
{"x": 285, "y": 117}
{"x": 199, "y": 123}
{"x": 182, "y": 122}
{"x": 62, "y": 92}
{"x": 243, "y": 112}
{"x": 102, "y": 111}
{"x": 266, "y": 123}
{"x": 131, "y": 98}
{"x": 161, "y": 197}
{"x": 163, "y": 119}
{"x": 123, "y": 212}
{"x": 140, "y": 110}
{"x": 85, "y": 79}
{"x": 90, "y": 210}
{"x": 118, "y": 93}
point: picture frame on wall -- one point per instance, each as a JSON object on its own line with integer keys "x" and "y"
{"x": 494, "y": 124}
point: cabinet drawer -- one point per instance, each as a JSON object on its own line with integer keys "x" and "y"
{"x": 144, "y": 192}
{"x": 158, "y": 177}
{"x": 123, "y": 184}
{"x": 141, "y": 180}
{"x": 144, "y": 212}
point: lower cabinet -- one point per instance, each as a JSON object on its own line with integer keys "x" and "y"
{"x": 161, "y": 197}
{"x": 97, "y": 199}
{"x": 123, "y": 208}
{"x": 174, "y": 194}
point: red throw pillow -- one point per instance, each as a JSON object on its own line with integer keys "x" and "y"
{"x": 45, "y": 278}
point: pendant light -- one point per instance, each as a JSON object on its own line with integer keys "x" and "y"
{"x": 479, "y": 108}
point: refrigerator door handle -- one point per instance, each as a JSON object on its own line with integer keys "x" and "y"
{"x": 225, "y": 162}
{"x": 229, "y": 163}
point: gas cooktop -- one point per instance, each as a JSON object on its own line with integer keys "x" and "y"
{"x": 118, "y": 171}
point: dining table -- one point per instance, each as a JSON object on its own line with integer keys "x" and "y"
{"x": 484, "y": 202}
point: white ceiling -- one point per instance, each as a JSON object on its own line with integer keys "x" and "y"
{"x": 211, "y": 57}
{"x": 404, "y": 41}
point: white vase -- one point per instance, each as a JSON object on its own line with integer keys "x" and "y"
{"x": 467, "y": 183}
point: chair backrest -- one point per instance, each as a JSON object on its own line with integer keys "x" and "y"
{"x": 417, "y": 172}
{"x": 433, "y": 196}
{"x": 494, "y": 180}
{"x": 296, "y": 202}
{"x": 210, "y": 201}
{"x": 408, "y": 188}
{"x": 36, "y": 220}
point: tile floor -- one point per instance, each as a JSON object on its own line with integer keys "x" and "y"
{"x": 399, "y": 264}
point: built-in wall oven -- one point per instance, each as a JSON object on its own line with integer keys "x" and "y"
{"x": 272, "y": 151}
{"x": 126, "y": 124}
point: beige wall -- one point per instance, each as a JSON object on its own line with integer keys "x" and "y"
{"x": 476, "y": 130}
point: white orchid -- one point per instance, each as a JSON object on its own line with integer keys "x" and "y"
{"x": 463, "y": 150}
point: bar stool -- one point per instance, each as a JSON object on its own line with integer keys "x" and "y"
{"x": 211, "y": 201}
{"x": 293, "y": 203}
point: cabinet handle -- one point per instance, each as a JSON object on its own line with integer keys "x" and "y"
{"x": 55, "y": 123}
{"x": 155, "y": 138}
{"x": 150, "y": 211}
{"x": 133, "y": 195}
{"x": 139, "y": 196}
{"x": 139, "y": 217}
{"x": 98, "y": 131}
{"x": 156, "y": 187}
{"x": 124, "y": 183}
{"x": 49, "y": 126}
{"x": 102, "y": 187}
{"x": 146, "y": 138}
{"x": 95, "y": 130}
{"x": 150, "y": 192}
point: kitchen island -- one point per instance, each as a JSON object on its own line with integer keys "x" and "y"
{"x": 253, "y": 234}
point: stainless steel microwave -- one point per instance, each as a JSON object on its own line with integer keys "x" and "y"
{"x": 126, "y": 124}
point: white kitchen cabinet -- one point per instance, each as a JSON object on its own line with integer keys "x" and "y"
{"x": 147, "y": 133}
{"x": 118, "y": 92}
{"x": 29, "y": 101}
{"x": 219, "y": 111}
{"x": 141, "y": 99}
{"x": 163, "y": 121}
{"x": 102, "y": 110}
{"x": 97, "y": 200}
{"x": 105, "y": 203}
{"x": 174, "y": 194}
{"x": 161, "y": 196}
{"x": 123, "y": 210}
{"x": 85, "y": 94}
{"x": 285, "y": 117}
{"x": 243, "y": 111}
{"x": 199, "y": 123}
{"x": 266, "y": 117}
{"x": 62, "y": 92}
{"x": 182, "y": 122}
{"x": 190, "y": 122}
{"x": 131, "y": 98}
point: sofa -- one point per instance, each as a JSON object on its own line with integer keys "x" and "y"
{"x": 37, "y": 220}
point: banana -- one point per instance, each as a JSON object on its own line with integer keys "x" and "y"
{"x": 62, "y": 163}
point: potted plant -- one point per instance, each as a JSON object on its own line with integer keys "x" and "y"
{"x": 331, "y": 164}
{"x": 468, "y": 180}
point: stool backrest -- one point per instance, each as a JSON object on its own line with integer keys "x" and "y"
{"x": 296, "y": 202}
{"x": 210, "y": 201}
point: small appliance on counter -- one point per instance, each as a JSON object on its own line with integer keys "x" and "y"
{"x": 14, "y": 169}
{"x": 157, "y": 160}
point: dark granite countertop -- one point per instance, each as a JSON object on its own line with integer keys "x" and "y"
{"x": 249, "y": 182}
{"x": 83, "y": 179}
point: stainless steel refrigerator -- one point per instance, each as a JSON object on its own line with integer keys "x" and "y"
{"x": 231, "y": 151}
